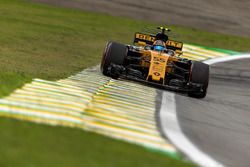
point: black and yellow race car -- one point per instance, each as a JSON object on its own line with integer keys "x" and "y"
{"x": 156, "y": 60}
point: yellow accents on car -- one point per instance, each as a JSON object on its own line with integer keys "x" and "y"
{"x": 158, "y": 66}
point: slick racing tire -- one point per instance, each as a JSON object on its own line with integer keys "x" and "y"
{"x": 114, "y": 53}
{"x": 199, "y": 74}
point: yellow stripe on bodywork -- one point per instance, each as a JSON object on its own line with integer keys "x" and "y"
{"x": 158, "y": 66}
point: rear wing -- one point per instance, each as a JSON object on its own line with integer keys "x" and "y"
{"x": 142, "y": 39}
{"x": 174, "y": 45}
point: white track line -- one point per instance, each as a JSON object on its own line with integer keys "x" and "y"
{"x": 171, "y": 127}
{"x": 227, "y": 58}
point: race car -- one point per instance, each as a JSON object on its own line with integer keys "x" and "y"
{"x": 156, "y": 60}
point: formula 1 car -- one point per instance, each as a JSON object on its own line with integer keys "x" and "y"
{"x": 156, "y": 60}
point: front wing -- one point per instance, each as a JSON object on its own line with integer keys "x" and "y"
{"x": 191, "y": 87}
{"x": 118, "y": 71}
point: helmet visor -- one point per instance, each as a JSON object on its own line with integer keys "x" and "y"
{"x": 158, "y": 47}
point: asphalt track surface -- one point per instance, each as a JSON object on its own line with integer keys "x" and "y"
{"x": 219, "y": 124}
{"x": 225, "y": 16}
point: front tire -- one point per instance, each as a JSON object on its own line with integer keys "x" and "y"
{"x": 114, "y": 53}
{"x": 199, "y": 73}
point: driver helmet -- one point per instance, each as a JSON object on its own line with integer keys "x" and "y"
{"x": 159, "y": 45}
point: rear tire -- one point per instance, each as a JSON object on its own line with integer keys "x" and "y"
{"x": 114, "y": 53}
{"x": 200, "y": 75}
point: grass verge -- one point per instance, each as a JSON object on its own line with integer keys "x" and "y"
{"x": 25, "y": 144}
{"x": 11, "y": 80}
